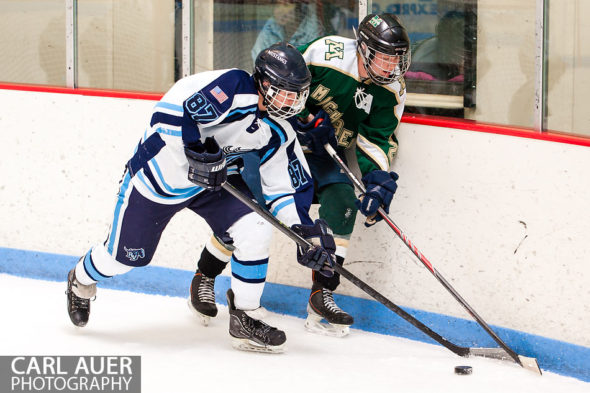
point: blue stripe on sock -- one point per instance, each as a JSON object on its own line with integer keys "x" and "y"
{"x": 91, "y": 270}
{"x": 249, "y": 270}
{"x": 249, "y": 280}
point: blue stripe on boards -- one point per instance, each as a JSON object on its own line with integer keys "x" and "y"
{"x": 553, "y": 355}
{"x": 151, "y": 280}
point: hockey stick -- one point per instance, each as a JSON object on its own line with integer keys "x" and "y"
{"x": 496, "y": 353}
{"x": 526, "y": 362}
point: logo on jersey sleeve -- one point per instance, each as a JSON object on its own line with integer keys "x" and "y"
{"x": 219, "y": 94}
{"x": 335, "y": 49}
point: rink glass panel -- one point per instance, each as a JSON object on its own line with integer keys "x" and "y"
{"x": 126, "y": 44}
{"x": 505, "y": 63}
{"x": 238, "y": 25}
{"x": 32, "y": 42}
{"x": 137, "y": 46}
{"x": 568, "y": 66}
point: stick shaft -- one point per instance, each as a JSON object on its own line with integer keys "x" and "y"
{"x": 461, "y": 351}
{"x": 361, "y": 188}
{"x": 266, "y": 215}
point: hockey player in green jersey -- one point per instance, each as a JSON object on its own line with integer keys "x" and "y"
{"x": 357, "y": 93}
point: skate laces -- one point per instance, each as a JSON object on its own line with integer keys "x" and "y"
{"x": 76, "y": 301}
{"x": 256, "y": 327}
{"x": 205, "y": 292}
{"x": 80, "y": 302}
{"x": 329, "y": 301}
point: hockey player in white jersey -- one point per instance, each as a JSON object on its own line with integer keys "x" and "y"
{"x": 191, "y": 146}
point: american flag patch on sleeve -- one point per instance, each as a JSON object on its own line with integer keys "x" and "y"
{"x": 219, "y": 94}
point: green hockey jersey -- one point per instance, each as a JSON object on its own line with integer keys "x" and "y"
{"x": 361, "y": 111}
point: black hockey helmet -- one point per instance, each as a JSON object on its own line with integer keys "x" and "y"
{"x": 385, "y": 34}
{"x": 283, "y": 79}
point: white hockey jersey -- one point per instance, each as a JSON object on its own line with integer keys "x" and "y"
{"x": 223, "y": 104}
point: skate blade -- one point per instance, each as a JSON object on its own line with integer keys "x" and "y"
{"x": 313, "y": 324}
{"x": 204, "y": 319}
{"x": 243, "y": 344}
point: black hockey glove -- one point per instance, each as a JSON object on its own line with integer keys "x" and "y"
{"x": 317, "y": 133}
{"x": 381, "y": 186}
{"x": 319, "y": 257}
{"x": 206, "y": 164}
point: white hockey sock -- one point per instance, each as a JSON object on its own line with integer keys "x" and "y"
{"x": 98, "y": 265}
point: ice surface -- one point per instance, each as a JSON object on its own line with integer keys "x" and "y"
{"x": 180, "y": 355}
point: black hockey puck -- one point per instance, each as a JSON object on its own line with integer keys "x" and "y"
{"x": 463, "y": 370}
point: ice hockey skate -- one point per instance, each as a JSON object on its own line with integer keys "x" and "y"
{"x": 79, "y": 296}
{"x": 201, "y": 300}
{"x": 321, "y": 306}
{"x": 249, "y": 333}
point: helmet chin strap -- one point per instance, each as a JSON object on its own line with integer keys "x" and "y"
{"x": 367, "y": 76}
{"x": 262, "y": 104}
{"x": 362, "y": 67}
{"x": 262, "y": 93}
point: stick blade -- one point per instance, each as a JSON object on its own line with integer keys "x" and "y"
{"x": 530, "y": 364}
{"x": 500, "y": 354}
{"x": 491, "y": 353}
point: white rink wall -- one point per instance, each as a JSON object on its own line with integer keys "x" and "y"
{"x": 505, "y": 220}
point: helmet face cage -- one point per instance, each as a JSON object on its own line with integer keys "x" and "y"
{"x": 282, "y": 104}
{"x": 384, "y": 68}
{"x": 283, "y": 80}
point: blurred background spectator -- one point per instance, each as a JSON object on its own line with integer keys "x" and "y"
{"x": 293, "y": 21}
{"x": 442, "y": 56}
